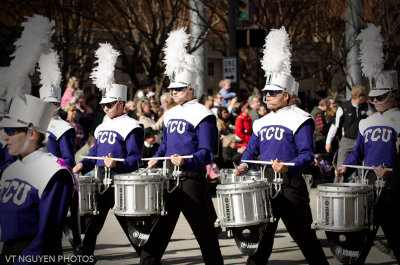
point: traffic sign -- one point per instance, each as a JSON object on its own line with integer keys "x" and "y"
{"x": 229, "y": 69}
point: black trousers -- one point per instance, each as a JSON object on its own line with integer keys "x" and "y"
{"x": 384, "y": 214}
{"x": 292, "y": 206}
{"x": 105, "y": 202}
{"x": 192, "y": 199}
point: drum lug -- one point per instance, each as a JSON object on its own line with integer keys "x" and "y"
{"x": 229, "y": 233}
{"x": 94, "y": 200}
{"x": 314, "y": 225}
{"x": 217, "y": 223}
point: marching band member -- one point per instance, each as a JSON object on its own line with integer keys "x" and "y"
{"x": 284, "y": 134}
{"x": 119, "y": 136}
{"x": 189, "y": 128}
{"x": 61, "y": 135}
{"x": 34, "y": 199}
{"x": 376, "y": 140}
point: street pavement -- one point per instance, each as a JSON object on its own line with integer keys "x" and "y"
{"x": 114, "y": 248}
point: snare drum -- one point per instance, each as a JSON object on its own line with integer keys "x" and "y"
{"x": 344, "y": 207}
{"x": 138, "y": 194}
{"x": 88, "y": 189}
{"x": 242, "y": 203}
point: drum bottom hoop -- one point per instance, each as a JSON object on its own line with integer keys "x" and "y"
{"x": 243, "y": 224}
{"x": 135, "y": 214}
{"x": 343, "y": 230}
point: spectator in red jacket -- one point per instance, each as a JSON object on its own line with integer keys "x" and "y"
{"x": 244, "y": 125}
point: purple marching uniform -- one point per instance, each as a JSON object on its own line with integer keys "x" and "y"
{"x": 376, "y": 145}
{"x": 190, "y": 129}
{"x": 376, "y": 140}
{"x": 287, "y": 134}
{"x": 35, "y": 193}
{"x": 61, "y": 140}
{"x": 123, "y": 137}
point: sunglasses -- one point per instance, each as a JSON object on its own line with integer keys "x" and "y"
{"x": 177, "y": 89}
{"x": 108, "y": 105}
{"x": 12, "y": 131}
{"x": 380, "y": 97}
{"x": 271, "y": 93}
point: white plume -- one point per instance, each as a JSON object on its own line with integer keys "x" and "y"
{"x": 103, "y": 74}
{"x": 50, "y": 74}
{"x": 277, "y": 55}
{"x": 176, "y": 57}
{"x": 371, "y": 54}
{"x": 35, "y": 39}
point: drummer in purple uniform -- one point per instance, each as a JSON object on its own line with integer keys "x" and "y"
{"x": 189, "y": 129}
{"x": 376, "y": 146}
{"x": 284, "y": 135}
{"x": 119, "y": 136}
{"x": 376, "y": 140}
{"x": 36, "y": 190}
{"x": 61, "y": 135}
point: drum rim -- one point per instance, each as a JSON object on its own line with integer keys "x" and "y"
{"x": 242, "y": 185}
{"x": 343, "y": 187}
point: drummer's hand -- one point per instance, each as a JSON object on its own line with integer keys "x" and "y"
{"x": 77, "y": 169}
{"x": 152, "y": 163}
{"x": 177, "y": 160}
{"x": 278, "y": 166}
{"x": 108, "y": 162}
{"x": 241, "y": 169}
{"x": 381, "y": 172}
{"x": 340, "y": 171}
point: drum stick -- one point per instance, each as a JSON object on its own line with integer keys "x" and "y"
{"x": 266, "y": 162}
{"x": 100, "y": 158}
{"x": 165, "y": 157}
{"x": 368, "y": 168}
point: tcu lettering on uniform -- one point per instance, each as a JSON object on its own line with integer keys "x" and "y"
{"x": 270, "y": 132}
{"x": 15, "y": 190}
{"x": 377, "y": 134}
{"x": 179, "y": 126}
{"x": 107, "y": 136}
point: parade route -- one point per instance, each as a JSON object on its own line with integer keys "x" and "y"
{"x": 114, "y": 248}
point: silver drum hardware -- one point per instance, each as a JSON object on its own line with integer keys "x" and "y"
{"x": 242, "y": 203}
{"x": 344, "y": 207}
{"x": 139, "y": 193}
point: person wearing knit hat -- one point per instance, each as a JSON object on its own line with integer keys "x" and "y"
{"x": 118, "y": 136}
{"x": 376, "y": 140}
{"x": 283, "y": 135}
{"x": 189, "y": 129}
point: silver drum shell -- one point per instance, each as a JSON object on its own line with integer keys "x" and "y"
{"x": 138, "y": 194}
{"x": 344, "y": 207}
{"x": 242, "y": 204}
{"x": 88, "y": 188}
